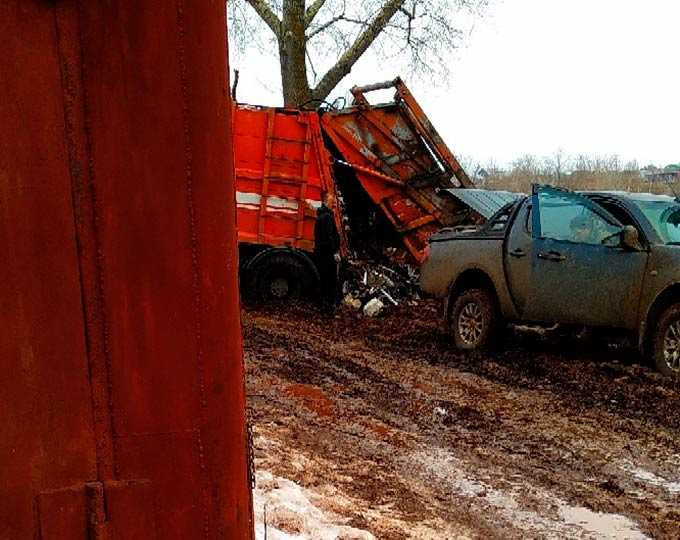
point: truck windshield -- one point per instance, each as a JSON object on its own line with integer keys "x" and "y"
{"x": 664, "y": 217}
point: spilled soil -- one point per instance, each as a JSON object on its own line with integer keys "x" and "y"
{"x": 396, "y": 433}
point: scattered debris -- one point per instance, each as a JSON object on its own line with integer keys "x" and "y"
{"x": 440, "y": 413}
{"x": 365, "y": 282}
{"x": 373, "y": 307}
{"x": 352, "y": 302}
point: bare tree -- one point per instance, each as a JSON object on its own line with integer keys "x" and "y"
{"x": 557, "y": 165}
{"x": 319, "y": 41}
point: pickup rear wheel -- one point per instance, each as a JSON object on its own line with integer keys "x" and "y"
{"x": 473, "y": 319}
{"x": 666, "y": 342}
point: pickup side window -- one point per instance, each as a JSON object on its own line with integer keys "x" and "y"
{"x": 499, "y": 222}
{"x": 621, "y": 214}
{"x": 530, "y": 217}
{"x": 568, "y": 217}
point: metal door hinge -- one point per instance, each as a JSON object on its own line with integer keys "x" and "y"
{"x": 109, "y": 510}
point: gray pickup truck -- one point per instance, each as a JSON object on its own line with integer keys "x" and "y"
{"x": 608, "y": 259}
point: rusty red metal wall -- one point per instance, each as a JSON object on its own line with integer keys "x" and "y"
{"x": 121, "y": 376}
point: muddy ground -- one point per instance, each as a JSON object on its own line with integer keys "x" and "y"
{"x": 396, "y": 433}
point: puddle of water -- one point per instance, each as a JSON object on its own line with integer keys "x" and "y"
{"x": 565, "y": 521}
{"x": 601, "y": 525}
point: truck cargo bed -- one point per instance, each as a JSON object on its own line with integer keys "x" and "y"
{"x": 282, "y": 168}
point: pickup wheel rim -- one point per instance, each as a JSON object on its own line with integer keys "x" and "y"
{"x": 471, "y": 323}
{"x": 671, "y": 346}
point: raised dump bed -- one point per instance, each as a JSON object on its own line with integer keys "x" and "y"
{"x": 397, "y": 157}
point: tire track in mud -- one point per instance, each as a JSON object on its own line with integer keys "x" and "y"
{"x": 524, "y": 424}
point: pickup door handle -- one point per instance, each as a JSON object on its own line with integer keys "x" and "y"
{"x": 519, "y": 252}
{"x": 552, "y": 256}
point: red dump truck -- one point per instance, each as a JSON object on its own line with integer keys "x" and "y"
{"x": 391, "y": 170}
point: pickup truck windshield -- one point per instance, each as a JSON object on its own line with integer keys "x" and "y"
{"x": 664, "y": 217}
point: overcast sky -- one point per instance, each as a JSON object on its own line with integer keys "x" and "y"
{"x": 587, "y": 76}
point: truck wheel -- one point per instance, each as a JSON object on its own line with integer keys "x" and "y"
{"x": 666, "y": 342}
{"x": 281, "y": 278}
{"x": 473, "y": 319}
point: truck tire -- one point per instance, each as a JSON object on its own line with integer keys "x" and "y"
{"x": 473, "y": 319}
{"x": 281, "y": 278}
{"x": 666, "y": 342}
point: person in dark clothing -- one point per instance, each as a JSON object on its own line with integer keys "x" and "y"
{"x": 326, "y": 246}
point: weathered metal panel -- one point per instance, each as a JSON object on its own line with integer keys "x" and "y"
{"x": 423, "y": 133}
{"x": 47, "y": 440}
{"x": 484, "y": 201}
{"x": 121, "y": 377}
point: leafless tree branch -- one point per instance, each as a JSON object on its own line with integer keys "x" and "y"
{"x": 338, "y": 18}
{"x": 312, "y": 11}
{"x": 344, "y": 65}
{"x": 323, "y": 27}
{"x": 265, "y": 12}
{"x": 417, "y": 36}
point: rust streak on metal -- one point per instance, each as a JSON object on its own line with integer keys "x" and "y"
{"x": 373, "y": 173}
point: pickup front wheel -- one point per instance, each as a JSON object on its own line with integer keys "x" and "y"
{"x": 666, "y": 345}
{"x": 473, "y": 319}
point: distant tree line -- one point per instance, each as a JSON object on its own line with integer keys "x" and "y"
{"x": 581, "y": 172}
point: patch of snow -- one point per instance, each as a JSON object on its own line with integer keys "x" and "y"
{"x": 560, "y": 519}
{"x": 440, "y": 411}
{"x": 648, "y": 477}
{"x": 291, "y": 515}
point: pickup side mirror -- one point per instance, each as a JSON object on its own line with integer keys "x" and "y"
{"x": 630, "y": 239}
